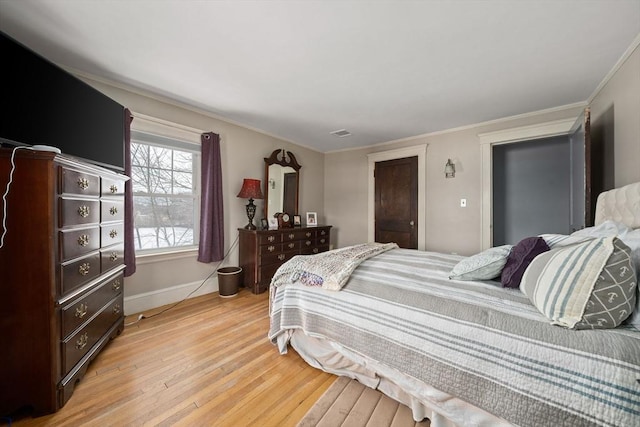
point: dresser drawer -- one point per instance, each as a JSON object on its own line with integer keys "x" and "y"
{"x": 322, "y": 232}
{"x": 78, "y": 212}
{"x": 112, "y": 187}
{"x": 290, "y": 246}
{"x": 112, "y": 210}
{"x": 81, "y": 183}
{"x": 291, "y": 235}
{"x": 111, "y": 234}
{"x": 275, "y": 248}
{"x": 85, "y": 307}
{"x": 322, "y": 240}
{"x": 265, "y": 239}
{"x": 277, "y": 258}
{"x": 112, "y": 257}
{"x": 79, "y": 272}
{"x": 76, "y": 242}
{"x": 78, "y": 344}
{"x": 314, "y": 250}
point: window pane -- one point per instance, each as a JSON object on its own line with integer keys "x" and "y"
{"x": 183, "y": 183}
{"x": 183, "y": 161}
{"x": 160, "y": 157}
{"x": 139, "y": 154}
{"x": 160, "y": 181}
{"x": 140, "y": 179}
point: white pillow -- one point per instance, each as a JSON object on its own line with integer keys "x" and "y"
{"x": 485, "y": 265}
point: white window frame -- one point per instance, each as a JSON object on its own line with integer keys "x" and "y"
{"x": 187, "y": 139}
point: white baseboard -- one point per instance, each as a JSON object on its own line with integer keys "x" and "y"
{"x": 146, "y": 301}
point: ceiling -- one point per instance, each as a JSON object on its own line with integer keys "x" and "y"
{"x": 298, "y": 70}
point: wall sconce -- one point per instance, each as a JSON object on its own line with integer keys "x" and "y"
{"x": 251, "y": 190}
{"x": 449, "y": 169}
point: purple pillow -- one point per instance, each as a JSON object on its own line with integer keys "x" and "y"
{"x": 519, "y": 259}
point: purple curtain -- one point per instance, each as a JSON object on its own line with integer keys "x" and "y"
{"x": 129, "y": 243}
{"x": 211, "y": 213}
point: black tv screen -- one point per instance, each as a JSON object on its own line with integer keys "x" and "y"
{"x": 45, "y": 105}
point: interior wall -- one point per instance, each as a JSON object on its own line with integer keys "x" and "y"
{"x": 615, "y": 123}
{"x": 449, "y": 227}
{"x": 531, "y": 189}
{"x": 243, "y": 151}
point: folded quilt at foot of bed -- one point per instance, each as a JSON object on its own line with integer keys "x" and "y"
{"x": 330, "y": 270}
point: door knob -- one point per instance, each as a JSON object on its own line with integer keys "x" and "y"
{"x": 411, "y": 223}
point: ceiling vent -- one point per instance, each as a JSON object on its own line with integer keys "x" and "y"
{"x": 341, "y": 133}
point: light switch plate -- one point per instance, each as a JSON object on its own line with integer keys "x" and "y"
{"x": 463, "y": 203}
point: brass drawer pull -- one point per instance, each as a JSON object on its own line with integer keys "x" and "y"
{"x": 308, "y": 234}
{"x": 323, "y": 232}
{"x": 83, "y": 211}
{"x": 113, "y": 188}
{"x": 81, "y": 310}
{"x": 83, "y": 183}
{"x": 113, "y": 233}
{"x": 292, "y": 245}
{"x": 116, "y": 285}
{"x": 113, "y": 210}
{"x": 271, "y": 238}
{"x": 116, "y": 309}
{"x": 83, "y": 240}
{"x": 322, "y": 240}
{"x": 291, "y": 236}
{"x": 82, "y": 341}
{"x": 84, "y": 268}
{"x": 308, "y": 243}
{"x": 271, "y": 248}
{"x": 114, "y": 256}
{"x": 281, "y": 257}
{"x": 315, "y": 250}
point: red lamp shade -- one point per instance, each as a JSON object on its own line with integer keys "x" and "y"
{"x": 251, "y": 189}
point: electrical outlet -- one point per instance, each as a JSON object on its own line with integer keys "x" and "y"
{"x": 463, "y": 203}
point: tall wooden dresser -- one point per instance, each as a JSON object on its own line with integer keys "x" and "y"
{"x": 61, "y": 273}
{"x": 263, "y": 251}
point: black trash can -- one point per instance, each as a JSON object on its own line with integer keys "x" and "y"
{"x": 229, "y": 281}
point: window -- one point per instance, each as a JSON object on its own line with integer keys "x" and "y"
{"x": 166, "y": 197}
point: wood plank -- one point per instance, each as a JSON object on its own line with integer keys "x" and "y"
{"x": 206, "y": 361}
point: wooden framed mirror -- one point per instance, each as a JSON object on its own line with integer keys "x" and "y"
{"x": 281, "y": 183}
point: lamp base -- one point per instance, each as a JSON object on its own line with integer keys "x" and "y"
{"x": 251, "y": 211}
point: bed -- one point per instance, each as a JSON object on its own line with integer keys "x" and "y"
{"x": 468, "y": 352}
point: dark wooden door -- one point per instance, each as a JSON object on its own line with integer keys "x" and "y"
{"x": 585, "y": 174}
{"x": 396, "y": 202}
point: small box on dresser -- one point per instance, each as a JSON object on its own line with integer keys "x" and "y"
{"x": 61, "y": 269}
{"x": 263, "y": 251}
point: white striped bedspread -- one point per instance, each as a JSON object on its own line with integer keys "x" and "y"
{"x": 484, "y": 344}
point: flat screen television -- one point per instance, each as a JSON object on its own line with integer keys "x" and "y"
{"x": 45, "y": 105}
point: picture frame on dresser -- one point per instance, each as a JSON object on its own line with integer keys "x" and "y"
{"x": 272, "y": 224}
{"x": 264, "y": 224}
{"x": 312, "y": 219}
{"x": 297, "y": 221}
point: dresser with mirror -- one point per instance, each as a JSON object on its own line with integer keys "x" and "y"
{"x": 262, "y": 251}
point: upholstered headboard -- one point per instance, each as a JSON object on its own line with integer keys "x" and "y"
{"x": 621, "y": 205}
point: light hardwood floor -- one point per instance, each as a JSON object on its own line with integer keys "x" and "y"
{"x": 206, "y": 362}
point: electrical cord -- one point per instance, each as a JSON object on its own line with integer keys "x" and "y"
{"x": 142, "y": 316}
{"x": 6, "y": 193}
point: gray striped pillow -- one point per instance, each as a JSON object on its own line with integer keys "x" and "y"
{"x": 590, "y": 285}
